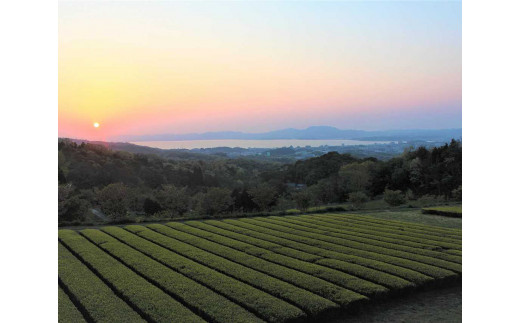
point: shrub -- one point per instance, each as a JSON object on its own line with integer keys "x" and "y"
{"x": 303, "y": 200}
{"x": 70, "y": 207}
{"x": 284, "y": 204}
{"x": 215, "y": 201}
{"x": 113, "y": 200}
{"x": 410, "y": 196}
{"x": 264, "y": 195}
{"x": 393, "y": 198}
{"x": 358, "y": 199}
{"x": 428, "y": 199}
{"x": 175, "y": 200}
{"x": 151, "y": 207}
{"x": 457, "y": 193}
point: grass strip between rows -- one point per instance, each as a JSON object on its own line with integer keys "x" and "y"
{"x": 390, "y": 281}
{"x": 367, "y": 244}
{"x": 97, "y": 299}
{"x": 67, "y": 311}
{"x": 345, "y": 298}
{"x": 312, "y": 304}
{"x": 152, "y": 303}
{"x": 201, "y": 300}
{"x": 420, "y": 248}
{"x": 339, "y": 278}
{"x": 262, "y": 304}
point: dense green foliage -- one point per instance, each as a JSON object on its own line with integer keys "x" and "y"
{"x": 274, "y": 269}
{"x": 394, "y": 198}
{"x": 358, "y": 199}
{"x": 100, "y": 183}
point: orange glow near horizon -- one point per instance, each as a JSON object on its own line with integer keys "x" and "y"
{"x": 148, "y": 68}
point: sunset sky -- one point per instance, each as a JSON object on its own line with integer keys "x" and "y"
{"x": 178, "y": 67}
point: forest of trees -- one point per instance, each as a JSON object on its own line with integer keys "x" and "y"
{"x": 121, "y": 184}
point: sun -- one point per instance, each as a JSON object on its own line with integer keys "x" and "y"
{"x": 96, "y": 125}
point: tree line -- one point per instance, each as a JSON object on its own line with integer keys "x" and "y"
{"x": 121, "y": 184}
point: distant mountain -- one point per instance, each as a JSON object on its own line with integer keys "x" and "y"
{"x": 314, "y": 132}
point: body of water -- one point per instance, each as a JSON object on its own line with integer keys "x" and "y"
{"x": 192, "y": 144}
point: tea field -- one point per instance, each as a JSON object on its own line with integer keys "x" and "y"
{"x": 264, "y": 269}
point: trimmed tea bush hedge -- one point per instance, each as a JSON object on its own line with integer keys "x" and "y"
{"x": 360, "y": 250}
{"x": 264, "y": 305}
{"x": 149, "y": 300}
{"x": 403, "y": 233}
{"x": 196, "y": 297}
{"x": 67, "y": 312}
{"x": 94, "y": 296}
{"x": 309, "y": 302}
{"x": 415, "y": 247}
{"x": 338, "y": 278}
{"x": 325, "y": 289}
{"x": 371, "y": 245}
{"x": 366, "y": 273}
{"x": 305, "y": 244}
{"x": 274, "y": 269}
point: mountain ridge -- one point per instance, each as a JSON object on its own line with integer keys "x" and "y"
{"x": 310, "y": 133}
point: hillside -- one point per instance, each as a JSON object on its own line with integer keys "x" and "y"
{"x": 94, "y": 179}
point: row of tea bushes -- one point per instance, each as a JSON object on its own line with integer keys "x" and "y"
{"x": 273, "y": 269}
